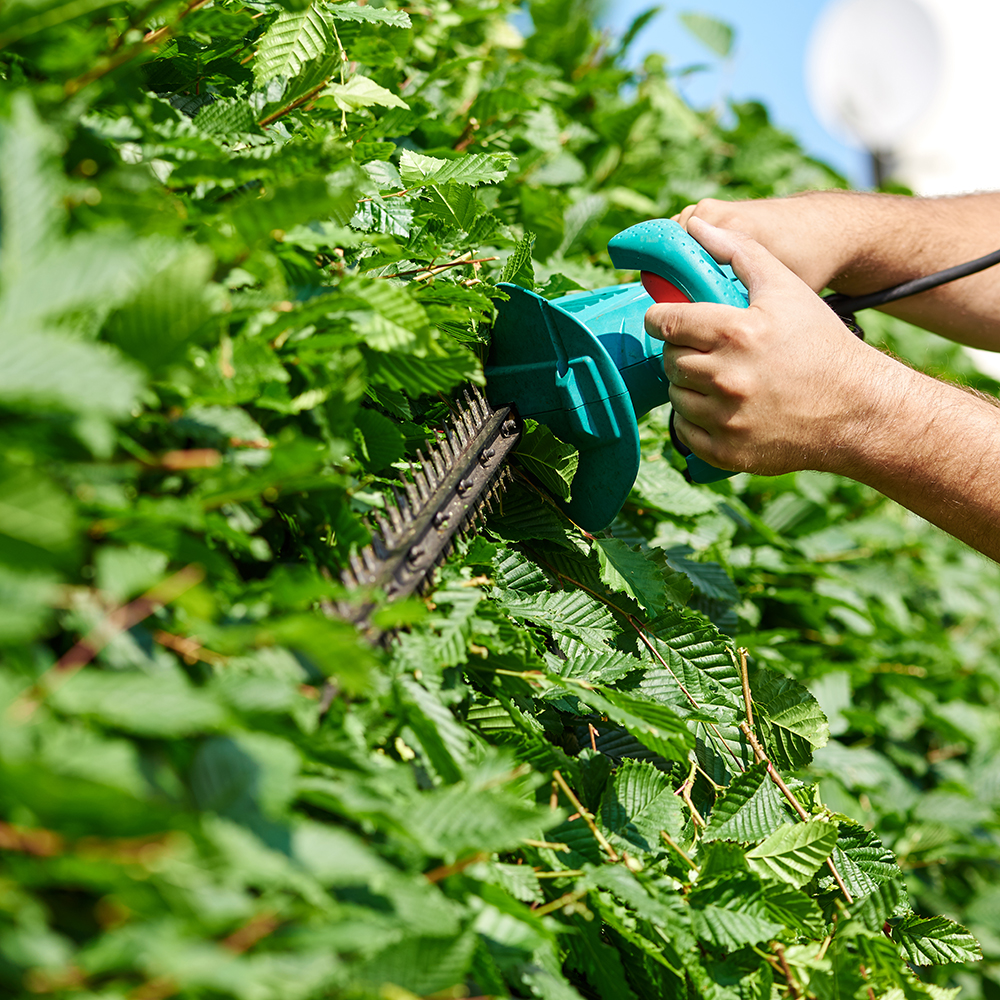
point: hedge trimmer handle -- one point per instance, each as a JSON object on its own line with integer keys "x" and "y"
{"x": 676, "y": 268}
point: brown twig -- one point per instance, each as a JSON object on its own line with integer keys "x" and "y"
{"x": 793, "y": 986}
{"x": 437, "y": 874}
{"x": 556, "y": 904}
{"x": 792, "y": 800}
{"x": 106, "y": 65}
{"x": 549, "y": 844}
{"x": 120, "y": 620}
{"x": 745, "y": 677}
{"x": 671, "y": 843}
{"x": 245, "y": 937}
{"x": 593, "y": 736}
{"x": 586, "y": 817}
{"x": 297, "y": 103}
{"x": 188, "y": 647}
{"x": 566, "y": 873}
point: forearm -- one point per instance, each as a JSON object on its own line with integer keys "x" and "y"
{"x": 856, "y": 243}
{"x": 895, "y": 238}
{"x": 935, "y": 449}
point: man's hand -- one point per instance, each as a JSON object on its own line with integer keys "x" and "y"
{"x": 817, "y": 236}
{"x": 855, "y": 242}
{"x": 779, "y": 386}
{"x": 783, "y": 385}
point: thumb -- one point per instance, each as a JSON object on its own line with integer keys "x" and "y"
{"x": 756, "y": 267}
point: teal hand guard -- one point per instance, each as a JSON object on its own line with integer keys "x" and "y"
{"x": 584, "y": 365}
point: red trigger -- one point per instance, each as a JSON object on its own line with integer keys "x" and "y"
{"x": 660, "y": 290}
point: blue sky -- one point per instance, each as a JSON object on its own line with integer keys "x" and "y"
{"x": 766, "y": 63}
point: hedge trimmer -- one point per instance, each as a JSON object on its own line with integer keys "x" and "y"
{"x": 584, "y": 366}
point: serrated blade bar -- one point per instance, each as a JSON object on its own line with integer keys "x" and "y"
{"x": 446, "y": 494}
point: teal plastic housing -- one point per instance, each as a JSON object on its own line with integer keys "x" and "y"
{"x": 584, "y": 365}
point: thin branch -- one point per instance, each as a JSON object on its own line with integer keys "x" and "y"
{"x": 109, "y": 63}
{"x": 120, "y": 620}
{"x": 297, "y": 103}
{"x": 437, "y": 874}
{"x": 793, "y": 986}
{"x": 548, "y": 844}
{"x": 586, "y": 817}
{"x": 671, "y": 843}
{"x": 565, "y": 873}
{"x": 745, "y": 677}
{"x": 556, "y": 904}
{"x": 793, "y": 801}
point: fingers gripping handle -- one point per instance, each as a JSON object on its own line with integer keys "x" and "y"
{"x": 675, "y": 268}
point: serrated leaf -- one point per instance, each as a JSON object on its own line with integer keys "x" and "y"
{"x": 655, "y": 726}
{"x": 709, "y": 577}
{"x": 790, "y": 718}
{"x": 418, "y": 170}
{"x": 522, "y": 516}
{"x": 792, "y": 908}
{"x": 596, "y": 666}
{"x": 697, "y": 659}
{"x": 361, "y": 92}
{"x": 750, "y": 809}
{"x": 570, "y": 612}
{"x": 874, "y": 909}
{"x": 794, "y": 852}
{"x": 633, "y": 572}
{"x": 935, "y": 941}
{"x": 518, "y": 269}
{"x": 552, "y": 461}
{"x": 372, "y": 15}
{"x": 639, "y": 804}
{"x": 863, "y": 861}
{"x": 728, "y": 911}
{"x": 295, "y": 39}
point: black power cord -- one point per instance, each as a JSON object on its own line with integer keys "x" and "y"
{"x": 845, "y": 306}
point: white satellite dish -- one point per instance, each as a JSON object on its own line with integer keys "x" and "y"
{"x": 873, "y": 67}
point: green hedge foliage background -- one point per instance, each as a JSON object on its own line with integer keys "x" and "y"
{"x": 209, "y": 372}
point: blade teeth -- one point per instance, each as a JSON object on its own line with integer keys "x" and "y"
{"x": 438, "y": 463}
{"x": 349, "y": 579}
{"x": 428, "y": 469}
{"x": 414, "y": 497}
{"x": 369, "y": 559}
{"x": 395, "y": 517}
{"x": 403, "y": 506}
{"x": 357, "y": 568}
{"x": 385, "y": 530}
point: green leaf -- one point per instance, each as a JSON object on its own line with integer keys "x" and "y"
{"x": 633, "y": 572}
{"x": 294, "y": 39}
{"x": 653, "y": 725}
{"x": 638, "y": 805}
{"x": 794, "y": 852}
{"x": 518, "y": 269}
{"x": 552, "y": 461}
{"x": 567, "y": 612}
{"x": 717, "y": 35}
{"x": 935, "y": 941}
{"x": 793, "y": 908}
{"x": 660, "y": 485}
{"x": 750, "y": 809}
{"x": 372, "y": 15}
{"x": 790, "y": 718}
{"x": 864, "y": 862}
{"x": 361, "y": 92}
{"x": 163, "y": 704}
{"x": 418, "y": 170}
{"x": 34, "y": 510}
